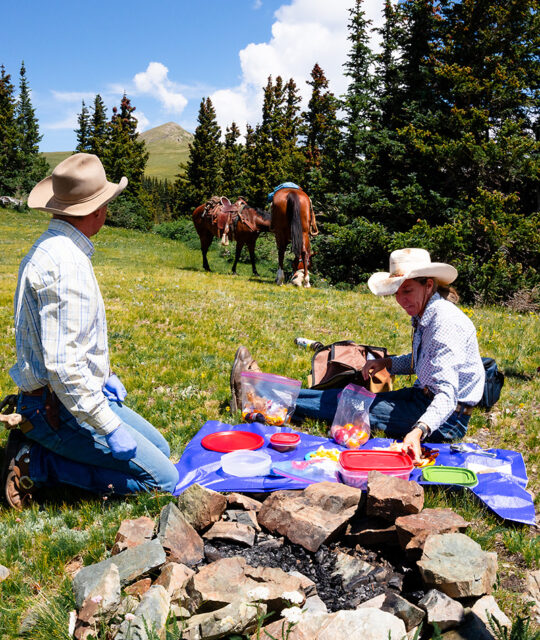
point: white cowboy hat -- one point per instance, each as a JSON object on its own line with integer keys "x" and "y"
{"x": 78, "y": 186}
{"x": 406, "y": 264}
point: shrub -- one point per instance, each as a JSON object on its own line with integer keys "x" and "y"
{"x": 130, "y": 213}
{"x": 180, "y": 229}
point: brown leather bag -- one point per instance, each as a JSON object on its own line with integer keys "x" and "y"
{"x": 338, "y": 364}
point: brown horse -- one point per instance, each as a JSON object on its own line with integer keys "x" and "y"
{"x": 245, "y": 226}
{"x": 293, "y": 220}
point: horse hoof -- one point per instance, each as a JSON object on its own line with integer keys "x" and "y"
{"x": 280, "y": 277}
{"x": 298, "y": 278}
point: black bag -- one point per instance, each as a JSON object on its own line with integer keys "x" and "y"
{"x": 337, "y": 364}
{"x": 494, "y": 383}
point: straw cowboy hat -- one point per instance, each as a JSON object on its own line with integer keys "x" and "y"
{"x": 78, "y": 186}
{"x": 406, "y": 264}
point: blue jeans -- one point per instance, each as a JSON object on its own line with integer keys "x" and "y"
{"x": 393, "y": 412}
{"x": 75, "y": 454}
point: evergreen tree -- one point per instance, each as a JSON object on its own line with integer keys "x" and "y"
{"x": 234, "y": 183}
{"x": 83, "y": 130}
{"x": 125, "y": 154}
{"x": 264, "y": 170}
{"x": 202, "y": 178}
{"x": 10, "y": 157}
{"x": 99, "y": 131}
{"x": 33, "y": 166}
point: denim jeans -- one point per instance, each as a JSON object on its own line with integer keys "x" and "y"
{"x": 393, "y": 412}
{"x": 75, "y": 454}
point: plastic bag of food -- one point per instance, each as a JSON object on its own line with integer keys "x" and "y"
{"x": 351, "y": 422}
{"x": 268, "y": 398}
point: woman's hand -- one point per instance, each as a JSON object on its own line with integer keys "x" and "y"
{"x": 374, "y": 366}
{"x": 412, "y": 444}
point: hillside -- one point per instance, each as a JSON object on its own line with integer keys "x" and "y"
{"x": 168, "y": 146}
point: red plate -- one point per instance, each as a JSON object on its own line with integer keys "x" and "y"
{"x": 226, "y": 441}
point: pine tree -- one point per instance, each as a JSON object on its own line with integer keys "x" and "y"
{"x": 33, "y": 167}
{"x": 234, "y": 183}
{"x": 83, "y": 130}
{"x": 125, "y": 154}
{"x": 202, "y": 178}
{"x": 99, "y": 131}
{"x": 10, "y": 157}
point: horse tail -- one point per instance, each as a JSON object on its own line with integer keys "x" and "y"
{"x": 295, "y": 222}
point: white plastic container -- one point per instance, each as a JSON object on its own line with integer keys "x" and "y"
{"x": 246, "y": 463}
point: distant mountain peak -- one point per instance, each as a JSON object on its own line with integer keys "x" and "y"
{"x": 170, "y": 131}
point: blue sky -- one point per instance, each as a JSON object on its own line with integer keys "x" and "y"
{"x": 168, "y": 54}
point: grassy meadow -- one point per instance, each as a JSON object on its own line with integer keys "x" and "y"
{"x": 173, "y": 332}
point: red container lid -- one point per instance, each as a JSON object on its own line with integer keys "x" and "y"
{"x": 369, "y": 460}
{"x": 288, "y": 439}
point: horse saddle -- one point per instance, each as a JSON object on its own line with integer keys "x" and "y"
{"x": 224, "y": 214}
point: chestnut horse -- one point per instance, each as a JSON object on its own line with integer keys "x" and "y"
{"x": 245, "y": 229}
{"x": 293, "y": 220}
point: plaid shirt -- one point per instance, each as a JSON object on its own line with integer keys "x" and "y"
{"x": 446, "y": 360}
{"x": 60, "y": 326}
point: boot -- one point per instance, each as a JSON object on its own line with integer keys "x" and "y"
{"x": 243, "y": 361}
{"x": 17, "y": 482}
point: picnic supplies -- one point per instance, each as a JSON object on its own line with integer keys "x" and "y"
{"x": 450, "y": 475}
{"x": 246, "y": 464}
{"x": 306, "y": 343}
{"x": 308, "y": 471}
{"x": 322, "y": 452}
{"x": 354, "y": 466}
{"x": 268, "y": 398}
{"x": 339, "y": 363}
{"x": 283, "y": 442}
{"x": 351, "y": 422}
{"x": 226, "y": 441}
{"x": 493, "y": 385}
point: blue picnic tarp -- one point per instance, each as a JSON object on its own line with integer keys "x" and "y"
{"x": 504, "y": 493}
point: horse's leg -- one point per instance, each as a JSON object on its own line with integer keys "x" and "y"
{"x": 251, "y": 249}
{"x": 206, "y": 241}
{"x": 239, "y": 247}
{"x": 305, "y": 258}
{"x": 280, "y": 277}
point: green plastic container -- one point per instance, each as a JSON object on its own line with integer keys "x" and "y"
{"x": 450, "y": 475}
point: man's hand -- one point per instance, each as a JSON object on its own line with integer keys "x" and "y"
{"x": 114, "y": 390}
{"x": 412, "y": 444}
{"x": 374, "y": 366}
{"x": 121, "y": 444}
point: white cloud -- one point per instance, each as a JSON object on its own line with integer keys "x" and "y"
{"x": 305, "y": 32}
{"x": 73, "y": 96}
{"x": 69, "y": 122}
{"x": 155, "y": 82}
{"x": 142, "y": 121}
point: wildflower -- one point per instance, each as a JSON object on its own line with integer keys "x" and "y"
{"x": 293, "y": 596}
{"x": 18, "y": 520}
{"x": 110, "y": 486}
{"x": 71, "y": 623}
{"x": 259, "y": 593}
{"x": 129, "y": 617}
{"x": 97, "y": 599}
{"x": 292, "y": 614}
{"x": 105, "y": 498}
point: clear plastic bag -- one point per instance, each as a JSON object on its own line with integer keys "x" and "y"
{"x": 268, "y": 398}
{"x": 350, "y": 427}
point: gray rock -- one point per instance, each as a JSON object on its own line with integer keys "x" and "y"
{"x": 173, "y": 578}
{"x": 370, "y": 532}
{"x": 352, "y": 571}
{"x": 308, "y": 586}
{"x": 411, "y": 615}
{"x": 237, "y": 618}
{"x": 234, "y": 531}
{"x": 29, "y": 622}
{"x": 243, "y": 517}
{"x": 413, "y": 530}
{"x": 131, "y": 533}
{"x": 456, "y": 565}
{"x": 442, "y": 609}
{"x": 200, "y": 506}
{"x": 151, "y": 614}
{"x": 487, "y": 606}
{"x": 314, "y": 604}
{"x": 4, "y": 573}
{"x": 131, "y": 563}
{"x": 103, "y": 584}
{"x": 389, "y": 497}
{"x": 364, "y": 624}
{"x": 238, "y": 500}
{"x": 311, "y": 517}
{"x": 375, "y": 603}
{"x": 179, "y": 539}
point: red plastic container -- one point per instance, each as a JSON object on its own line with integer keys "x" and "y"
{"x": 354, "y": 466}
{"x": 284, "y": 441}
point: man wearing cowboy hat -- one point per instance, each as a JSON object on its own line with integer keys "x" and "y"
{"x": 77, "y": 430}
{"x": 444, "y": 357}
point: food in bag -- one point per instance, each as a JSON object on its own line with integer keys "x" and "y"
{"x": 268, "y": 398}
{"x": 351, "y": 422}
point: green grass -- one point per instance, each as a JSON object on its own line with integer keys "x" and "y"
{"x": 173, "y": 332}
{"x": 54, "y": 158}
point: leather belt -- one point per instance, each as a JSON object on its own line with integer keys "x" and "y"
{"x": 35, "y": 393}
{"x": 52, "y": 404}
{"x": 462, "y": 409}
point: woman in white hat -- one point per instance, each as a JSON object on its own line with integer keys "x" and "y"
{"x": 444, "y": 355}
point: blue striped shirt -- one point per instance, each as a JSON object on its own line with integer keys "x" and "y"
{"x": 446, "y": 360}
{"x": 60, "y": 326}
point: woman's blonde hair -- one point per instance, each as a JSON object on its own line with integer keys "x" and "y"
{"x": 445, "y": 291}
